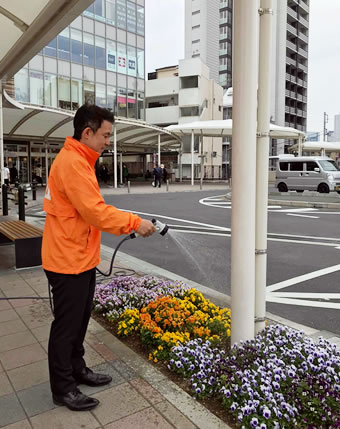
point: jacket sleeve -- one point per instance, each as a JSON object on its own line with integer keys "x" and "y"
{"x": 81, "y": 188}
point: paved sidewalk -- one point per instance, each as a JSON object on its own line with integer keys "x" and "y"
{"x": 138, "y": 397}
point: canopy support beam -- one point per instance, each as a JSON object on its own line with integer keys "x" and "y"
{"x": 192, "y": 157}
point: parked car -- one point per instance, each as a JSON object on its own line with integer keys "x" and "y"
{"x": 312, "y": 173}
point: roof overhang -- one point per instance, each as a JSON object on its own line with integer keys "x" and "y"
{"x": 27, "y": 26}
{"x": 318, "y": 146}
{"x": 38, "y": 123}
{"x": 224, "y": 128}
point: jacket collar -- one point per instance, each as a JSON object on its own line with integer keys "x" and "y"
{"x": 87, "y": 152}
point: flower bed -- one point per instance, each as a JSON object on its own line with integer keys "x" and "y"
{"x": 279, "y": 380}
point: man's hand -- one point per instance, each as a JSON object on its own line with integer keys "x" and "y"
{"x": 146, "y": 228}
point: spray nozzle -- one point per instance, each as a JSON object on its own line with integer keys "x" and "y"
{"x": 162, "y": 228}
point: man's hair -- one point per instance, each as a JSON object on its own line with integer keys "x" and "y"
{"x": 91, "y": 116}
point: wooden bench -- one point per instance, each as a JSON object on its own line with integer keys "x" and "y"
{"x": 27, "y": 241}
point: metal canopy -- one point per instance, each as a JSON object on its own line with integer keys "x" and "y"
{"x": 29, "y": 25}
{"x": 28, "y": 122}
{"x": 224, "y": 128}
{"x": 318, "y": 146}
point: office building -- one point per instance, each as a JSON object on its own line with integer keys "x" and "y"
{"x": 98, "y": 58}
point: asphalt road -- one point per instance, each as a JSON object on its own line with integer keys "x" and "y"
{"x": 300, "y": 242}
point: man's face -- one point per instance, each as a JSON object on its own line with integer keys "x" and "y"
{"x": 100, "y": 140}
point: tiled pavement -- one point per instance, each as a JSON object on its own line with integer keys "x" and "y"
{"x": 139, "y": 396}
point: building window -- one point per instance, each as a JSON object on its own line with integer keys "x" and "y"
{"x": 50, "y": 82}
{"x": 121, "y": 14}
{"x": 51, "y": 48}
{"x": 89, "y": 93}
{"x": 111, "y": 56}
{"x": 131, "y": 17}
{"x": 99, "y": 10}
{"x": 195, "y": 12}
{"x": 88, "y": 49}
{"x": 76, "y": 93}
{"x": 111, "y": 12}
{"x": 121, "y": 53}
{"x": 121, "y": 100}
{"x": 64, "y": 93}
{"x": 64, "y": 45}
{"x": 140, "y": 20}
{"x": 189, "y": 82}
{"x": 132, "y": 61}
{"x": 111, "y": 98}
{"x": 21, "y": 85}
{"x": 36, "y": 88}
{"x": 141, "y": 106}
{"x": 140, "y": 63}
{"x": 100, "y": 95}
{"x": 195, "y": 27}
{"x": 132, "y": 111}
{"x": 100, "y": 53}
{"x": 190, "y": 111}
{"x": 76, "y": 46}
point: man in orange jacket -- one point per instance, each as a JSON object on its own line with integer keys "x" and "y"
{"x": 76, "y": 214}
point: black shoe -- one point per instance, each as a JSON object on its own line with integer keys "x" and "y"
{"x": 75, "y": 401}
{"x": 90, "y": 378}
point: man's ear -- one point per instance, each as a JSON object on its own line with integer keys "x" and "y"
{"x": 86, "y": 133}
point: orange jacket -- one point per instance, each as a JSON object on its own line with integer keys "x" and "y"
{"x": 76, "y": 212}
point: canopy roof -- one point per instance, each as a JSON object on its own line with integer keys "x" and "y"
{"x": 318, "y": 146}
{"x": 37, "y": 123}
{"x": 224, "y": 128}
{"x": 29, "y": 25}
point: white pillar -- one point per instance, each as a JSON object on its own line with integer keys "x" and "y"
{"x": 159, "y": 149}
{"x": 300, "y": 146}
{"x": 121, "y": 168}
{"x": 180, "y": 164}
{"x": 244, "y": 173}
{"x": 2, "y": 166}
{"x": 192, "y": 157}
{"x": 202, "y": 161}
{"x": 115, "y": 154}
{"x": 46, "y": 163}
{"x": 262, "y": 162}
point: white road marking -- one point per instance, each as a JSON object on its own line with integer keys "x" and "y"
{"x": 305, "y": 236}
{"x": 304, "y": 303}
{"x": 299, "y": 215}
{"x": 303, "y": 278}
{"x": 307, "y": 209}
{"x": 220, "y": 228}
{"x": 313, "y": 295}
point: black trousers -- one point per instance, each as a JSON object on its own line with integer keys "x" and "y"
{"x": 72, "y": 300}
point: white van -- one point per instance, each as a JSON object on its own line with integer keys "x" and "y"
{"x": 312, "y": 173}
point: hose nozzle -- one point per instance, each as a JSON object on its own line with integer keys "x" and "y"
{"x": 162, "y": 228}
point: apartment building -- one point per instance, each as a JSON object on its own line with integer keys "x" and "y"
{"x": 181, "y": 94}
{"x": 289, "y": 55}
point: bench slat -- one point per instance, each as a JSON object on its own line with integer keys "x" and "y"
{"x": 17, "y": 229}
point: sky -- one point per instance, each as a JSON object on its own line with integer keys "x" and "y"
{"x": 165, "y": 46}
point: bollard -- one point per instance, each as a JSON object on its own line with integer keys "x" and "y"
{"x": 128, "y": 186}
{"x": 21, "y": 203}
{"x": 34, "y": 190}
{"x": 4, "y": 200}
{"x": 167, "y": 185}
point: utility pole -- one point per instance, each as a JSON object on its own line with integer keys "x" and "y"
{"x": 325, "y": 121}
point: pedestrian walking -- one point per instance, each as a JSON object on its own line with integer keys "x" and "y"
{"x": 157, "y": 172}
{"x": 76, "y": 213}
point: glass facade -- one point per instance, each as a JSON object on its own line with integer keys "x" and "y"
{"x": 99, "y": 58}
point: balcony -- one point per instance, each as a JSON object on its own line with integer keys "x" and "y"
{"x": 303, "y": 21}
{"x": 161, "y": 87}
{"x": 304, "y": 6}
{"x": 303, "y": 37}
{"x": 162, "y": 115}
{"x": 189, "y": 97}
{"x": 303, "y": 67}
{"x": 223, "y": 67}
{"x": 291, "y": 46}
{"x": 302, "y": 83}
{"x": 292, "y": 29}
{"x": 303, "y": 52}
{"x": 223, "y": 36}
{"x": 290, "y": 61}
{"x": 292, "y": 13}
{"x": 222, "y": 52}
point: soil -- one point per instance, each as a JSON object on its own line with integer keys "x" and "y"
{"x": 133, "y": 341}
